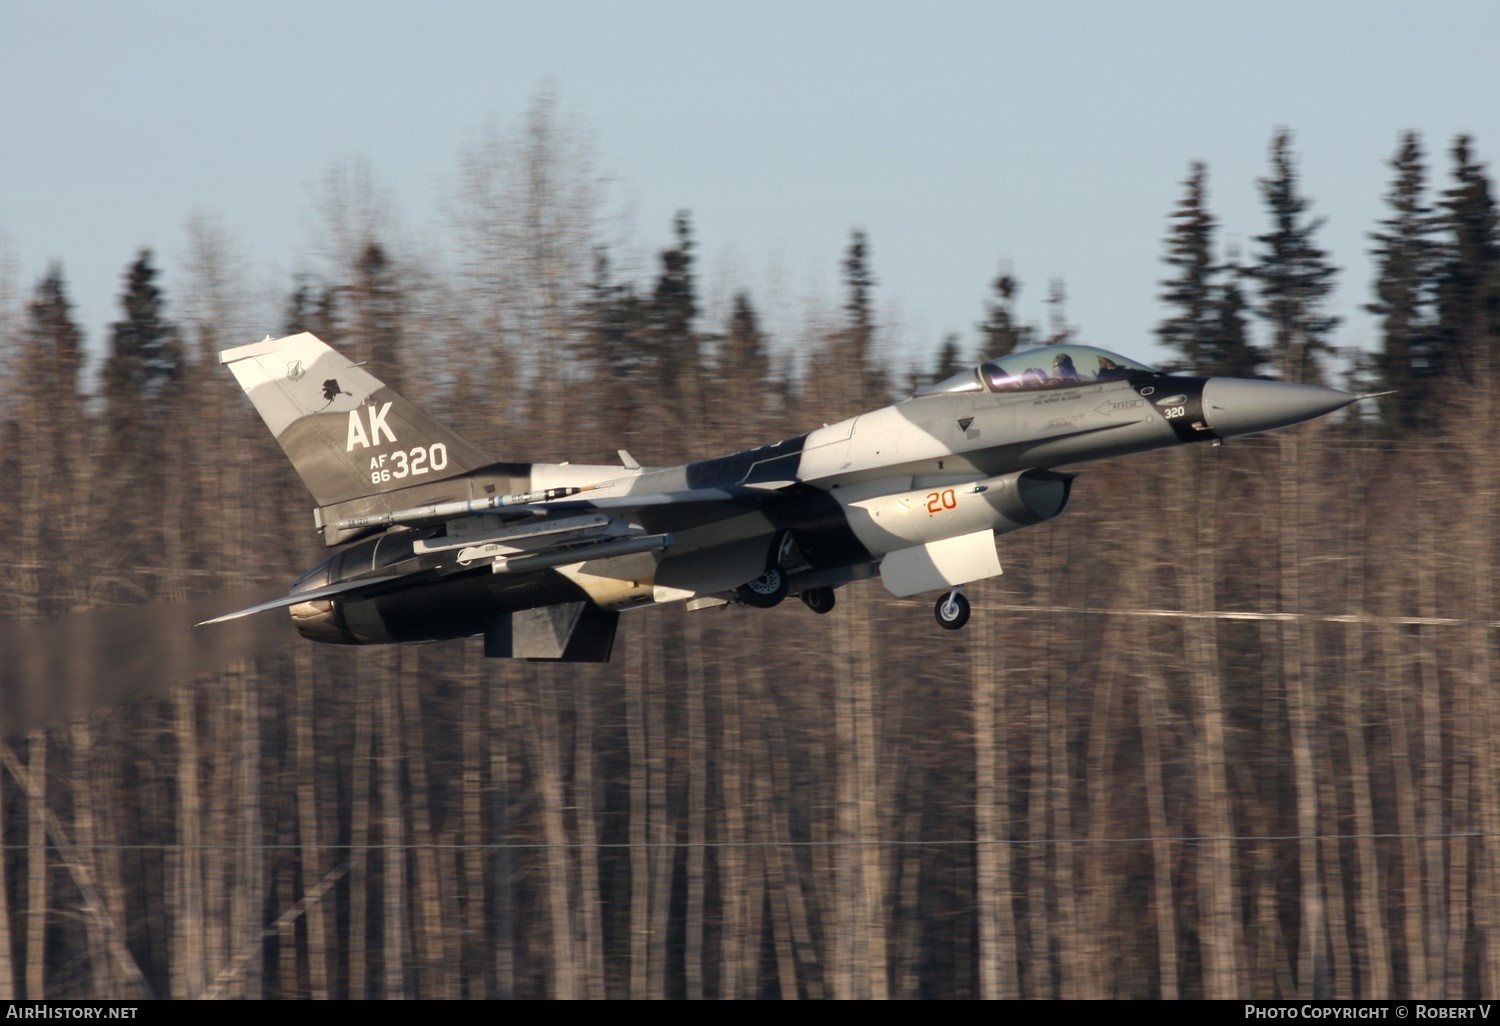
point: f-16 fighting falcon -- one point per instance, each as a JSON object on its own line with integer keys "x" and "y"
{"x": 437, "y": 541}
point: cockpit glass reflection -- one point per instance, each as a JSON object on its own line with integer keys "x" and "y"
{"x": 1042, "y": 368}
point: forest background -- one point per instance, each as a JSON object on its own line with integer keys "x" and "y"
{"x": 1227, "y": 728}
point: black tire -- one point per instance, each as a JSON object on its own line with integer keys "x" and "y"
{"x": 765, "y": 591}
{"x": 819, "y": 600}
{"x": 952, "y": 613}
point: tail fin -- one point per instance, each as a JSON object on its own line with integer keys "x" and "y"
{"x": 347, "y": 434}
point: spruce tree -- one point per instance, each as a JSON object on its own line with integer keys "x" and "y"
{"x": 1410, "y": 360}
{"x": 607, "y": 342}
{"x": 1208, "y": 324}
{"x": 859, "y": 280}
{"x": 1002, "y": 334}
{"x": 1468, "y": 285}
{"x": 144, "y": 423}
{"x": 843, "y": 376}
{"x": 746, "y": 394}
{"x": 50, "y": 368}
{"x": 1059, "y": 331}
{"x": 855, "y": 351}
{"x": 743, "y": 362}
{"x": 54, "y": 346}
{"x": 1229, "y": 351}
{"x": 613, "y": 350}
{"x": 313, "y": 308}
{"x": 379, "y": 313}
{"x": 674, "y": 307}
{"x": 145, "y": 350}
{"x": 950, "y": 359}
{"x": 1293, "y": 273}
{"x": 1189, "y": 292}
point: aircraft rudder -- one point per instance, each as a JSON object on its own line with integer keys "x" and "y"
{"x": 347, "y": 433}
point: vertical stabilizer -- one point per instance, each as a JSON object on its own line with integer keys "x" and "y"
{"x": 347, "y": 433}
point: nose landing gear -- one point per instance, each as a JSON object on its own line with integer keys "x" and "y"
{"x": 952, "y": 610}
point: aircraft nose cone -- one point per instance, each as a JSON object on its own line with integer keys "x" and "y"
{"x": 1242, "y": 406}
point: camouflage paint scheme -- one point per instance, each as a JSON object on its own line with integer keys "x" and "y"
{"x": 437, "y": 541}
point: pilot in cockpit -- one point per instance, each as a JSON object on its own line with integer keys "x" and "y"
{"x": 1063, "y": 369}
{"x": 1109, "y": 370}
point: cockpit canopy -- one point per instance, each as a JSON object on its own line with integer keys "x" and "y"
{"x": 1043, "y": 367}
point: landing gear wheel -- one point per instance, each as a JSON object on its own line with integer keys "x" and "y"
{"x": 819, "y": 600}
{"x": 765, "y": 591}
{"x": 952, "y": 611}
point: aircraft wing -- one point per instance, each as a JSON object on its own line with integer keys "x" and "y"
{"x": 655, "y": 510}
{"x": 722, "y": 537}
{"x": 672, "y": 510}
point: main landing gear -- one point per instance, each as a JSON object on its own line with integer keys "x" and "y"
{"x": 765, "y": 591}
{"x": 819, "y": 600}
{"x": 952, "y": 610}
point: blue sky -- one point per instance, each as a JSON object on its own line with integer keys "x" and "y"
{"x": 1054, "y": 136}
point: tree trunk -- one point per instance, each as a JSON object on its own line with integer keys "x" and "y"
{"x": 319, "y": 941}
{"x": 1312, "y": 968}
{"x": 503, "y": 722}
{"x": 994, "y": 907}
{"x": 7, "y": 964}
{"x": 697, "y": 812}
{"x": 471, "y": 807}
{"x": 739, "y": 871}
{"x": 590, "y": 950}
{"x": 360, "y": 838}
{"x": 640, "y": 807}
{"x": 433, "y": 976}
{"x": 37, "y": 865}
{"x": 870, "y": 851}
{"x": 397, "y": 941}
{"x": 189, "y": 976}
{"x": 1152, "y": 710}
{"x": 544, "y": 733}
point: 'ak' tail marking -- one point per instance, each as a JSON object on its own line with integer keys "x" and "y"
{"x": 347, "y": 434}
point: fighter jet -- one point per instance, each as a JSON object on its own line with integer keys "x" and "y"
{"x": 435, "y": 540}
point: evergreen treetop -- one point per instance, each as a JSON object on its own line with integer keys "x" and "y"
{"x": 1000, "y": 330}
{"x": 145, "y": 348}
{"x": 1468, "y": 276}
{"x": 1207, "y": 326}
{"x": 1410, "y": 359}
{"x": 1293, "y": 273}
